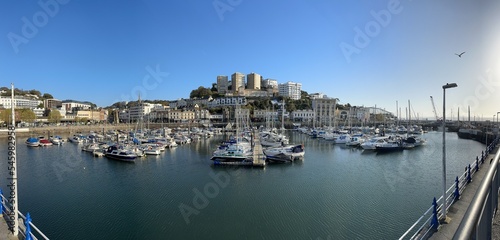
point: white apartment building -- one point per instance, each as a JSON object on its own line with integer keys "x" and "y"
{"x": 227, "y": 101}
{"x": 290, "y": 89}
{"x": 269, "y": 83}
{"x": 71, "y": 106}
{"x": 20, "y": 102}
{"x": 142, "y": 110}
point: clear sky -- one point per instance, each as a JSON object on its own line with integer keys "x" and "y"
{"x": 362, "y": 52}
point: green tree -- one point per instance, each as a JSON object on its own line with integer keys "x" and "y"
{"x": 200, "y": 92}
{"x": 54, "y": 116}
{"x": 26, "y": 115}
{"x": 35, "y": 92}
{"x": 5, "y": 115}
{"x": 47, "y": 96}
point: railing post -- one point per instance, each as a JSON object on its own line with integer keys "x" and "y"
{"x": 28, "y": 227}
{"x": 434, "y": 220}
{"x": 477, "y": 164}
{"x": 457, "y": 190}
{"x": 469, "y": 178}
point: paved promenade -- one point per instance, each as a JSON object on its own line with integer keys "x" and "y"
{"x": 4, "y": 231}
{"x": 457, "y": 210}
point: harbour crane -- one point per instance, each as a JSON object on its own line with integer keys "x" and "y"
{"x": 434, "y": 109}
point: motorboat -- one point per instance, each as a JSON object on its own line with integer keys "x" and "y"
{"x": 287, "y": 153}
{"x": 120, "y": 154}
{"x": 373, "y": 142}
{"x": 91, "y": 147}
{"x": 355, "y": 141}
{"x": 56, "y": 140}
{"x": 44, "y": 142}
{"x": 32, "y": 142}
{"x": 232, "y": 151}
{"x": 342, "y": 139}
{"x": 151, "y": 149}
{"x": 76, "y": 139}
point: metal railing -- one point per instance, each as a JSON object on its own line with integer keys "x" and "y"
{"x": 478, "y": 220}
{"x": 24, "y": 228}
{"x": 428, "y": 223}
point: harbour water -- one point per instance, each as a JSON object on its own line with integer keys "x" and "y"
{"x": 336, "y": 192}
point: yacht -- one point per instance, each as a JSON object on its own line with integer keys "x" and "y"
{"x": 373, "y": 142}
{"x": 287, "y": 153}
{"x": 120, "y": 154}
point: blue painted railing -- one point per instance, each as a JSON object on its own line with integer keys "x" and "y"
{"x": 478, "y": 220}
{"x": 428, "y": 222}
{"x": 25, "y": 229}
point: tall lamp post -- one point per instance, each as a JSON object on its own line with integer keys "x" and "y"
{"x": 448, "y": 85}
{"x": 497, "y": 127}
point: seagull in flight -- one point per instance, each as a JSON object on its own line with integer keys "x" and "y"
{"x": 460, "y": 55}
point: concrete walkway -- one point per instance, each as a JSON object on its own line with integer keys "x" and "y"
{"x": 457, "y": 210}
{"x": 4, "y": 231}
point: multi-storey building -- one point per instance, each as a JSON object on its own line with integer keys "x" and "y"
{"x": 71, "y": 106}
{"x": 222, "y": 84}
{"x": 291, "y": 90}
{"x": 20, "y": 102}
{"x": 302, "y": 116}
{"x": 253, "y": 81}
{"x": 227, "y": 101}
{"x": 142, "y": 111}
{"x": 92, "y": 115}
{"x": 180, "y": 115}
{"x": 52, "y": 103}
{"x": 270, "y": 84}
{"x": 238, "y": 81}
{"x": 265, "y": 115}
{"x": 324, "y": 111}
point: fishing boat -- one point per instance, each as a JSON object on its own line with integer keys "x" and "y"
{"x": 287, "y": 153}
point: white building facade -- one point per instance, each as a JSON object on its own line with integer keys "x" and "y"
{"x": 290, "y": 89}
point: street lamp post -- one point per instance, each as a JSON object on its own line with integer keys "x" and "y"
{"x": 448, "y": 85}
{"x": 497, "y": 127}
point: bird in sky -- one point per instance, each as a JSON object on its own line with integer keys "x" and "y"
{"x": 459, "y": 55}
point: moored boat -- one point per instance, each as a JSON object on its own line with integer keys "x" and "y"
{"x": 56, "y": 140}
{"x": 45, "y": 142}
{"x": 32, "y": 142}
{"x": 120, "y": 154}
{"x": 287, "y": 153}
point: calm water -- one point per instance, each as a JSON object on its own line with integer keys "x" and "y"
{"x": 335, "y": 193}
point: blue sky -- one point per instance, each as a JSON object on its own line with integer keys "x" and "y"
{"x": 362, "y": 52}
